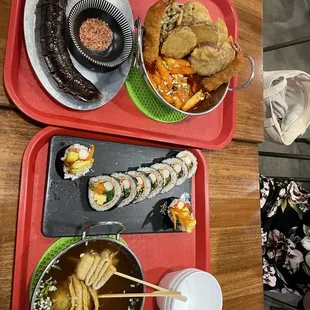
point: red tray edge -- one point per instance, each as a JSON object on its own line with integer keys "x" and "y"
{"x": 222, "y": 140}
{"x": 203, "y": 261}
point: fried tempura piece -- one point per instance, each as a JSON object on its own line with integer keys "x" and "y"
{"x": 195, "y": 12}
{"x": 222, "y": 30}
{"x": 152, "y": 27}
{"x": 224, "y": 76}
{"x": 179, "y": 42}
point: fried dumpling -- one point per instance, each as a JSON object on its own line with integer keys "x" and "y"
{"x": 195, "y": 12}
{"x": 180, "y": 42}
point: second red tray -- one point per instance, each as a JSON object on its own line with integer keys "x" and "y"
{"x": 158, "y": 253}
{"x": 120, "y": 116}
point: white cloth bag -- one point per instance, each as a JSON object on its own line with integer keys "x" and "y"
{"x": 286, "y": 105}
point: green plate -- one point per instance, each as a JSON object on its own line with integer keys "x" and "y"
{"x": 51, "y": 253}
{"x": 145, "y": 100}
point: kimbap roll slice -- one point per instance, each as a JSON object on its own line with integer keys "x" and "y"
{"x": 179, "y": 167}
{"x": 180, "y": 213}
{"x": 169, "y": 176}
{"x": 129, "y": 189}
{"x": 190, "y": 160}
{"x": 77, "y": 160}
{"x": 104, "y": 192}
{"x": 143, "y": 185}
{"x": 157, "y": 181}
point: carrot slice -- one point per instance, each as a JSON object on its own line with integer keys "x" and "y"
{"x": 174, "y": 219}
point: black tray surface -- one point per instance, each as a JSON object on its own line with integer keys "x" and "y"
{"x": 66, "y": 207}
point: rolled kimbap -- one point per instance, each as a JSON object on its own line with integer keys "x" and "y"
{"x": 180, "y": 213}
{"x": 190, "y": 160}
{"x": 169, "y": 176}
{"x": 179, "y": 167}
{"x": 104, "y": 192}
{"x": 156, "y": 179}
{"x": 143, "y": 185}
{"x": 129, "y": 188}
{"x": 77, "y": 160}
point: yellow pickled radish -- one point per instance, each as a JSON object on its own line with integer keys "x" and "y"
{"x": 72, "y": 157}
{"x": 80, "y": 165}
{"x": 100, "y": 199}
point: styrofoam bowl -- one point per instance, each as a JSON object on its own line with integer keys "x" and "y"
{"x": 201, "y": 288}
{"x": 169, "y": 281}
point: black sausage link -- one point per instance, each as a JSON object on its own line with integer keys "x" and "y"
{"x": 56, "y": 55}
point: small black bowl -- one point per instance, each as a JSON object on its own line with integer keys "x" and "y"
{"x": 122, "y": 42}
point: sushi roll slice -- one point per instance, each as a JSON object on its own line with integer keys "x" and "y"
{"x": 180, "y": 213}
{"x": 169, "y": 176}
{"x": 157, "y": 181}
{"x": 143, "y": 185}
{"x": 129, "y": 188}
{"x": 190, "y": 160}
{"x": 179, "y": 167}
{"x": 104, "y": 192}
{"x": 77, "y": 160}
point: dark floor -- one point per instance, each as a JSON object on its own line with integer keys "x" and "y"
{"x": 286, "y": 20}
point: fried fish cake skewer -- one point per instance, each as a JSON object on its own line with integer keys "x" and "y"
{"x": 224, "y": 76}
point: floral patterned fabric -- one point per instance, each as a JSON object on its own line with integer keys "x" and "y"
{"x": 285, "y": 214}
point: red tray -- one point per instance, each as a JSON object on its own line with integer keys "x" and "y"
{"x": 120, "y": 116}
{"x": 157, "y": 256}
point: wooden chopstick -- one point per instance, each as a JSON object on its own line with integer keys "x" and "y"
{"x": 154, "y": 294}
{"x": 155, "y": 287}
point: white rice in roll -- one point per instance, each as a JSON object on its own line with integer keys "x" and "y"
{"x": 157, "y": 181}
{"x": 104, "y": 192}
{"x": 78, "y": 159}
{"x": 190, "y": 160}
{"x": 143, "y": 185}
{"x": 129, "y": 188}
{"x": 179, "y": 167}
{"x": 168, "y": 174}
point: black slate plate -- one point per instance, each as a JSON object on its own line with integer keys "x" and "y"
{"x": 66, "y": 207}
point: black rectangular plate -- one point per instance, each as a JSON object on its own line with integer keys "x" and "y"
{"x": 66, "y": 208}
